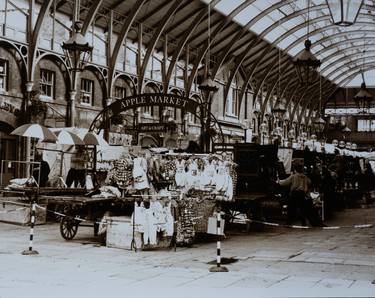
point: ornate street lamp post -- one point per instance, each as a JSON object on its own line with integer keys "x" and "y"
{"x": 208, "y": 89}
{"x": 344, "y": 12}
{"x": 77, "y": 52}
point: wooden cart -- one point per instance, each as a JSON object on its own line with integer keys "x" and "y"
{"x": 79, "y": 211}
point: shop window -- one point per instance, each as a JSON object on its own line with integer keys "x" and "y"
{"x": 120, "y": 92}
{"x": 87, "y": 91}
{"x": 231, "y": 108}
{"x": 47, "y": 83}
{"x": 365, "y": 125}
{"x": 3, "y": 74}
{"x": 148, "y": 110}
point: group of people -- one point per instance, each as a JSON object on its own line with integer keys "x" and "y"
{"x": 328, "y": 177}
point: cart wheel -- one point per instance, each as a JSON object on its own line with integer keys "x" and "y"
{"x": 233, "y": 215}
{"x": 68, "y": 228}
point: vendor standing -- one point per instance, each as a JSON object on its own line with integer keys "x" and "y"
{"x": 77, "y": 172}
{"x": 41, "y": 173}
{"x": 299, "y": 185}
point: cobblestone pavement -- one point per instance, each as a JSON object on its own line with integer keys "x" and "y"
{"x": 275, "y": 262}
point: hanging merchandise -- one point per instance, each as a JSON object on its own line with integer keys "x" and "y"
{"x": 185, "y": 226}
{"x": 140, "y": 173}
{"x": 180, "y": 176}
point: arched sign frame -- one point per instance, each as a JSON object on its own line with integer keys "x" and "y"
{"x": 157, "y": 99}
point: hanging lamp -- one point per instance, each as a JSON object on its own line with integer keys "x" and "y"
{"x": 319, "y": 122}
{"x": 344, "y": 12}
{"x": 279, "y": 109}
{"x": 306, "y": 62}
{"x": 363, "y": 97}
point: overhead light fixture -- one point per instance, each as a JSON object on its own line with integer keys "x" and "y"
{"x": 279, "y": 110}
{"x": 363, "y": 98}
{"x": 344, "y": 12}
{"x": 306, "y": 62}
{"x": 319, "y": 123}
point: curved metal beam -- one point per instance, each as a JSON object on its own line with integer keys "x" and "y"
{"x": 230, "y": 16}
{"x": 345, "y": 42}
{"x": 348, "y": 66}
{"x": 183, "y": 40}
{"x": 91, "y": 15}
{"x": 245, "y": 28}
{"x": 349, "y": 61}
{"x": 290, "y": 102}
{"x": 341, "y": 52}
{"x": 151, "y": 46}
{"x": 34, "y": 35}
{"x": 312, "y": 96}
{"x": 202, "y": 53}
{"x": 346, "y": 77}
{"x": 301, "y": 39}
{"x": 291, "y": 16}
{"x": 120, "y": 40}
{"x": 266, "y": 50}
{"x": 270, "y": 91}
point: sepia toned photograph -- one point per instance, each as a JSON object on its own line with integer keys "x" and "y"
{"x": 187, "y": 148}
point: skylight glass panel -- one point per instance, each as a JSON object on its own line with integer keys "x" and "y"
{"x": 293, "y": 52}
{"x": 329, "y": 52}
{"x": 274, "y": 34}
{"x": 317, "y": 48}
{"x": 246, "y": 15}
{"x": 287, "y": 41}
{"x": 293, "y": 22}
{"x": 264, "y": 4}
{"x": 262, "y": 24}
{"x": 227, "y": 7}
{"x": 369, "y": 79}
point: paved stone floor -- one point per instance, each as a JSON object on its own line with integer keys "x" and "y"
{"x": 274, "y": 262}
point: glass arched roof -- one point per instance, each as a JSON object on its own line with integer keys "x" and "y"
{"x": 284, "y": 24}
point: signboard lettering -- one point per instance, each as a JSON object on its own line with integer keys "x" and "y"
{"x": 152, "y": 99}
{"x": 8, "y": 107}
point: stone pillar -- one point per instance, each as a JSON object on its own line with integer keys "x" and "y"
{"x": 72, "y": 108}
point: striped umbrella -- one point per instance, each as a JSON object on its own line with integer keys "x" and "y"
{"x": 35, "y": 131}
{"x": 68, "y": 138}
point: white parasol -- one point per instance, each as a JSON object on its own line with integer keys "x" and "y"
{"x": 69, "y": 138}
{"x": 35, "y": 131}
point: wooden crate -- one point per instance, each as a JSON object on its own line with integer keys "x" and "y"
{"x": 120, "y": 233}
{"x": 21, "y": 215}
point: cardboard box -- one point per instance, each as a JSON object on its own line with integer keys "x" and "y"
{"x": 120, "y": 233}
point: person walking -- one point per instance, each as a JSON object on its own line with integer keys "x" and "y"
{"x": 299, "y": 185}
